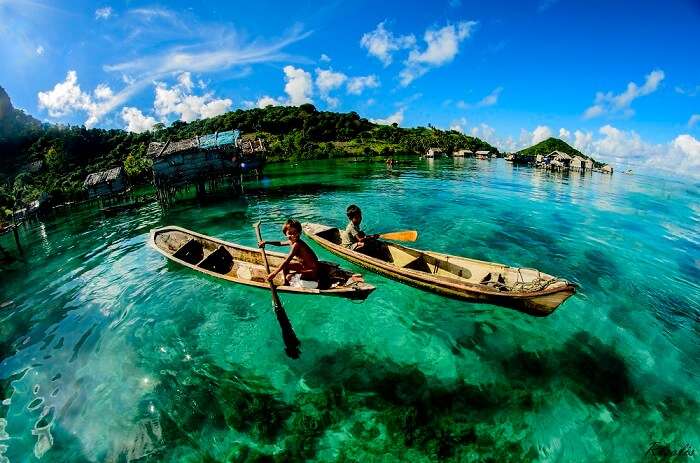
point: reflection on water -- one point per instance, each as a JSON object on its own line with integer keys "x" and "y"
{"x": 109, "y": 353}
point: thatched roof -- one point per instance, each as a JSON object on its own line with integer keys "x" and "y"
{"x": 105, "y": 176}
{"x": 482, "y": 152}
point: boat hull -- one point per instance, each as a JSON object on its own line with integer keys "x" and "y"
{"x": 243, "y": 265}
{"x": 537, "y": 303}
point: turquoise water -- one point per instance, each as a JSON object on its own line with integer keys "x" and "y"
{"x": 110, "y": 353}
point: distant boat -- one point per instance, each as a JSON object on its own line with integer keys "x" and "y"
{"x": 240, "y": 264}
{"x": 525, "y": 290}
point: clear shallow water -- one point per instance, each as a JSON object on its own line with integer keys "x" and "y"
{"x": 110, "y": 353}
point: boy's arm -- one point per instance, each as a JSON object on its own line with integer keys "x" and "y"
{"x": 286, "y": 262}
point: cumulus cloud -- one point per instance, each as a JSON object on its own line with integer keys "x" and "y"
{"x": 609, "y": 103}
{"x": 266, "y": 101}
{"x": 67, "y": 98}
{"x": 40, "y": 50}
{"x": 563, "y": 133}
{"x": 396, "y": 118}
{"x": 325, "y": 58}
{"x": 327, "y": 81}
{"x": 103, "y": 13}
{"x": 179, "y": 100}
{"x": 381, "y": 43}
{"x": 694, "y": 119}
{"x": 136, "y": 121}
{"x": 357, "y": 85}
{"x": 680, "y": 155}
{"x": 299, "y": 85}
{"x": 442, "y": 45}
{"x": 541, "y": 133}
{"x": 485, "y": 132}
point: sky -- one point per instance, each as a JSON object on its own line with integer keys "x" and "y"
{"x": 618, "y": 80}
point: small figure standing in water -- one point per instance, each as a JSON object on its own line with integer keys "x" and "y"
{"x": 304, "y": 271}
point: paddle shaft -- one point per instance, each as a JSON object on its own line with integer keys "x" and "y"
{"x": 291, "y": 341}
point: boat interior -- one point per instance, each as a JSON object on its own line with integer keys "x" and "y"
{"x": 238, "y": 263}
{"x": 494, "y": 276}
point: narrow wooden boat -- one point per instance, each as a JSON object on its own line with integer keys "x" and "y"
{"x": 526, "y": 290}
{"x": 240, "y": 264}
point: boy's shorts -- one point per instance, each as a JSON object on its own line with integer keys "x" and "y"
{"x": 295, "y": 281}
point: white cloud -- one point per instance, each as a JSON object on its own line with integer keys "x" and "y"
{"x": 40, "y": 50}
{"x": 564, "y": 134}
{"x": 489, "y": 100}
{"x": 609, "y": 103}
{"x": 442, "y": 47}
{"x": 681, "y": 155}
{"x": 185, "y": 80}
{"x": 327, "y": 81}
{"x": 694, "y": 119}
{"x": 136, "y": 121}
{"x": 485, "y": 132}
{"x": 103, "y": 13}
{"x": 266, "y": 101}
{"x": 179, "y": 100}
{"x": 459, "y": 125}
{"x": 541, "y": 133}
{"x": 395, "y": 118}
{"x": 688, "y": 91}
{"x": 103, "y": 92}
{"x": 492, "y": 98}
{"x": 381, "y": 43}
{"x": 299, "y": 86}
{"x": 325, "y": 58}
{"x": 67, "y": 98}
{"x": 356, "y": 85}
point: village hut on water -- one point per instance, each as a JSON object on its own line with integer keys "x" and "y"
{"x": 205, "y": 159}
{"x": 462, "y": 153}
{"x": 482, "y": 154}
{"x": 106, "y": 183}
{"x": 433, "y": 152}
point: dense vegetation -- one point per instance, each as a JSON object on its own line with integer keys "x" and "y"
{"x": 69, "y": 153}
{"x": 528, "y": 155}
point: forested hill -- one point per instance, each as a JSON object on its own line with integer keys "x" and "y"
{"x": 546, "y": 147}
{"x": 69, "y": 153}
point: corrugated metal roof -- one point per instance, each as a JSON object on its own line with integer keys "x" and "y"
{"x": 105, "y": 176}
{"x": 205, "y": 142}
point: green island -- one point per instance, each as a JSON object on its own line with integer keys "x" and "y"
{"x": 54, "y": 160}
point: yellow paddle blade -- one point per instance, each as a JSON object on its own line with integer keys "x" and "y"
{"x": 405, "y": 235}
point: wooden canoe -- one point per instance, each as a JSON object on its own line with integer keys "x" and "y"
{"x": 526, "y": 290}
{"x": 240, "y": 264}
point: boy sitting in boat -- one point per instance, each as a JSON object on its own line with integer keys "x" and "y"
{"x": 302, "y": 273}
{"x": 354, "y": 238}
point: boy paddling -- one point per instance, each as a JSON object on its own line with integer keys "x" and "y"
{"x": 354, "y": 237}
{"x": 303, "y": 273}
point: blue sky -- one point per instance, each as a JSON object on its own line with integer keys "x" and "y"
{"x": 619, "y": 80}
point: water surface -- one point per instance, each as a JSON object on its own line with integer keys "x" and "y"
{"x": 110, "y": 353}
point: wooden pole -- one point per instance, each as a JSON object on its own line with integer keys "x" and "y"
{"x": 291, "y": 342}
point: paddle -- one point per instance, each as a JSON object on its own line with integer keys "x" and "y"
{"x": 291, "y": 342}
{"x": 405, "y": 235}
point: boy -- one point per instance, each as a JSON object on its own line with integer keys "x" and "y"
{"x": 355, "y": 238}
{"x": 303, "y": 273}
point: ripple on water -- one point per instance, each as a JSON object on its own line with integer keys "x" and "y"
{"x": 111, "y": 352}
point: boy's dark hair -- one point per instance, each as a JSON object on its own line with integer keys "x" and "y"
{"x": 352, "y": 211}
{"x": 291, "y": 223}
